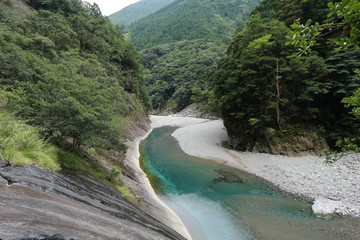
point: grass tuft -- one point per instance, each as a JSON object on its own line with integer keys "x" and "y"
{"x": 73, "y": 161}
{"x": 125, "y": 193}
{"x": 21, "y": 144}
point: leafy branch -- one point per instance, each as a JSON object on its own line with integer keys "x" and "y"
{"x": 346, "y": 146}
{"x": 354, "y": 100}
{"x": 347, "y": 14}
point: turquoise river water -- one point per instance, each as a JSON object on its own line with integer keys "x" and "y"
{"x": 217, "y": 202}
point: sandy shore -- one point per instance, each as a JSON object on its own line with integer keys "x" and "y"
{"x": 307, "y": 177}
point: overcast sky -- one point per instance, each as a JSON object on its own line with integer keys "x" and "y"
{"x": 108, "y": 7}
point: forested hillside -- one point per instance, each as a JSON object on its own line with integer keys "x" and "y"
{"x": 67, "y": 71}
{"x": 175, "y": 71}
{"x": 268, "y": 93}
{"x": 181, "y": 43}
{"x": 137, "y": 11}
{"x": 191, "y": 19}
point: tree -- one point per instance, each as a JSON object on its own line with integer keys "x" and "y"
{"x": 264, "y": 89}
{"x": 64, "y": 109}
{"x": 344, "y": 15}
{"x": 244, "y": 82}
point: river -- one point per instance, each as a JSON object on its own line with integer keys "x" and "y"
{"x": 217, "y": 202}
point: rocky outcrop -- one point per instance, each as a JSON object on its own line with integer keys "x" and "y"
{"x": 36, "y": 204}
{"x": 301, "y": 141}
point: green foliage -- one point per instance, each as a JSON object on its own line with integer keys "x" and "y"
{"x": 6, "y": 2}
{"x": 253, "y": 121}
{"x": 73, "y": 161}
{"x": 64, "y": 7}
{"x": 68, "y": 104}
{"x": 262, "y": 83}
{"x": 354, "y": 100}
{"x": 52, "y": 31}
{"x": 343, "y": 15}
{"x": 345, "y": 146}
{"x": 349, "y": 13}
{"x": 174, "y": 70}
{"x": 183, "y": 42}
{"x": 189, "y": 20}
{"x": 81, "y": 79}
{"x": 5, "y": 5}
{"x": 115, "y": 176}
{"x": 21, "y": 144}
{"x": 176, "y": 21}
{"x": 137, "y": 11}
{"x": 126, "y": 193}
{"x": 305, "y": 33}
{"x": 67, "y": 71}
{"x": 244, "y": 82}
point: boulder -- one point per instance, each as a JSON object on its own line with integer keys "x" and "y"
{"x": 326, "y": 208}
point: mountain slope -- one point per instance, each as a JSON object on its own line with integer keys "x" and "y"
{"x": 185, "y": 20}
{"x": 191, "y": 19}
{"x": 181, "y": 43}
{"x": 175, "y": 71}
{"x": 137, "y": 11}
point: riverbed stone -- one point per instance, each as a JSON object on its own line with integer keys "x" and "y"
{"x": 326, "y": 208}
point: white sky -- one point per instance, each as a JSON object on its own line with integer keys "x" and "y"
{"x": 108, "y": 7}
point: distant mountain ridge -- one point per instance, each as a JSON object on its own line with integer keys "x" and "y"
{"x": 191, "y": 19}
{"x": 137, "y": 11}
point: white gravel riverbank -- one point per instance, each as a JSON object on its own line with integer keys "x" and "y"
{"x": 307, "y": 176}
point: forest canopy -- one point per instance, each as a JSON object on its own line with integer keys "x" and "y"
{"x": 264, "y": 88}
{"x": 181, "y": 43}
{"x": 75, "y": 76}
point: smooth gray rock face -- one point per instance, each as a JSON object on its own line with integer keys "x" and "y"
{"x": 36, "y": 204}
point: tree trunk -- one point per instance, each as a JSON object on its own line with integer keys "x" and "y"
{"x": 277, "y": 84}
